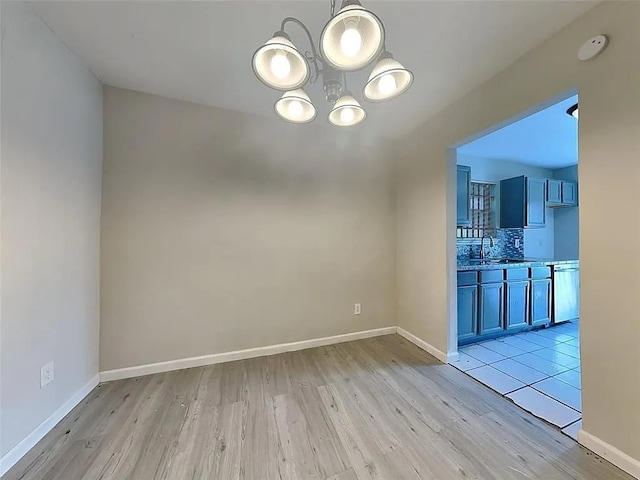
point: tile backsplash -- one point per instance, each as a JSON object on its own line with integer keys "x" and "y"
{"x": 504, "y": 245}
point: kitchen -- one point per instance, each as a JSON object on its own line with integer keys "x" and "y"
{"x": 517, "y": 263}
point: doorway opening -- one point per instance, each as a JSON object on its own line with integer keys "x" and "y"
{"x": 515, "y": 323}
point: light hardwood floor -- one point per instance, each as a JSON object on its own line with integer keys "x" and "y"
{"x": 372, "y": 409}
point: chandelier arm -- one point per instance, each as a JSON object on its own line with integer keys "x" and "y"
{"x": 312, "y": 56}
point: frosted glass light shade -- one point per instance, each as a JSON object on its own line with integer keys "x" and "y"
{"x": 352, "y": 51}
{"x": 387, "y": 80}
{"x": 279, "y": 65}
{"x": 347, "y": 112}
{"x": 295, "y": 106}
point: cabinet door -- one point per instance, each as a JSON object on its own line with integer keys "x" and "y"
{"x": 536, "y": 196}
{"x": 491, "y": 299}
{"x": 569, "y": 194}
{"x": 467, "y": 312}
{"x": 540, "y": 301}
{"x": 517, "y": 304}
{"x": 554, "y": 192}
{"x": 463, "y": 185}
{"x": 513, "y": 202}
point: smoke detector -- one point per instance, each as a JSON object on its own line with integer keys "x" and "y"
{"x": 593, "y": 47}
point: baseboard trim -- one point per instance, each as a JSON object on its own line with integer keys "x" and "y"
{"x": 179, "y": 364}
{"x": 453, "y": 357}
{"x": 20, "y": 450}
{"x": 610, "y": 453}
{"x": 427, "y": 347}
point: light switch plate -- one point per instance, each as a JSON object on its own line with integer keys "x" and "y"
{"x": 357, "y": 309}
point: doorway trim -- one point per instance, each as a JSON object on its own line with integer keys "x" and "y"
{"x": 452, "y": 267}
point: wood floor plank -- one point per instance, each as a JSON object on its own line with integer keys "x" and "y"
{"x": 346, "y": 475}
{"x": 373, "y": 409}
{"x": 275, "y": 380}
{"x": 265, "y": 379}
{"x": 74, "y": 463}
{"x": 160, "y": 442}
{"x": 228, "y": 437}
{"x": 298, "y": 459}
{"x": 328, "y": 450}
{"x": 262, "y": 452}
{"x": 233, "y": 382}
{"x": 128, "y": 440}
{"x": 360, "y": 449}
{"x": 101, "y": 410}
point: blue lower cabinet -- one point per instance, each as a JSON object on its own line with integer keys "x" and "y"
{"x": 497, "y": 302}
{"x": 467, "y": 312}
{"x": 491, "y": 308}
{"x": 540, "y": 301}
{"x": 517, "y": 304}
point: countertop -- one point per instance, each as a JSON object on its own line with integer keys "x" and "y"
{"x": 477, "y": 264}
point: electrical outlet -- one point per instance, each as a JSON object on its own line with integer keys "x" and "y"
{"x": 517, "y": 242}
{"x": 356, "y": 309}
{"x": 46, "y": 374}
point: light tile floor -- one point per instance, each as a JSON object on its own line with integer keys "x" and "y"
{"x": 540, "y": 371}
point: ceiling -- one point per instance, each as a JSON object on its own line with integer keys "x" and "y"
{"x": 201, "y": 51}
{"x": 547, "y": 139}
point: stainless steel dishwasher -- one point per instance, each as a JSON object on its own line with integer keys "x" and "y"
{"x": 566, "y": 292}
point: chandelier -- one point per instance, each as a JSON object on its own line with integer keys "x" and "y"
{"x": 351, "y": 40}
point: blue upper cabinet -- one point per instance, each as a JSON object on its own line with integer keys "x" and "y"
{"x": 554, "y": 192}
{"x": 536, "y": 202}
{"x": 561, "y": 193}
{"x": 569, "y": 194}
{"x": 463, "y": 185}
{"x": 522, "y": 202}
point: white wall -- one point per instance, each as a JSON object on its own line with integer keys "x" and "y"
{"x": 538, "y": 242}
{"x": 493, "y": 170}
{"x": 224, "y": 231}
{"x": 50, "y": 211}
{"x": 609, "y": 147}
{"x": 567, "y": 224}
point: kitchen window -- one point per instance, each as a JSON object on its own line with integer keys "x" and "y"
{"x": 483, "y": 212}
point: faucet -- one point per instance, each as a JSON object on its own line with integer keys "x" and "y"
{"x": 483, "y": 254}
